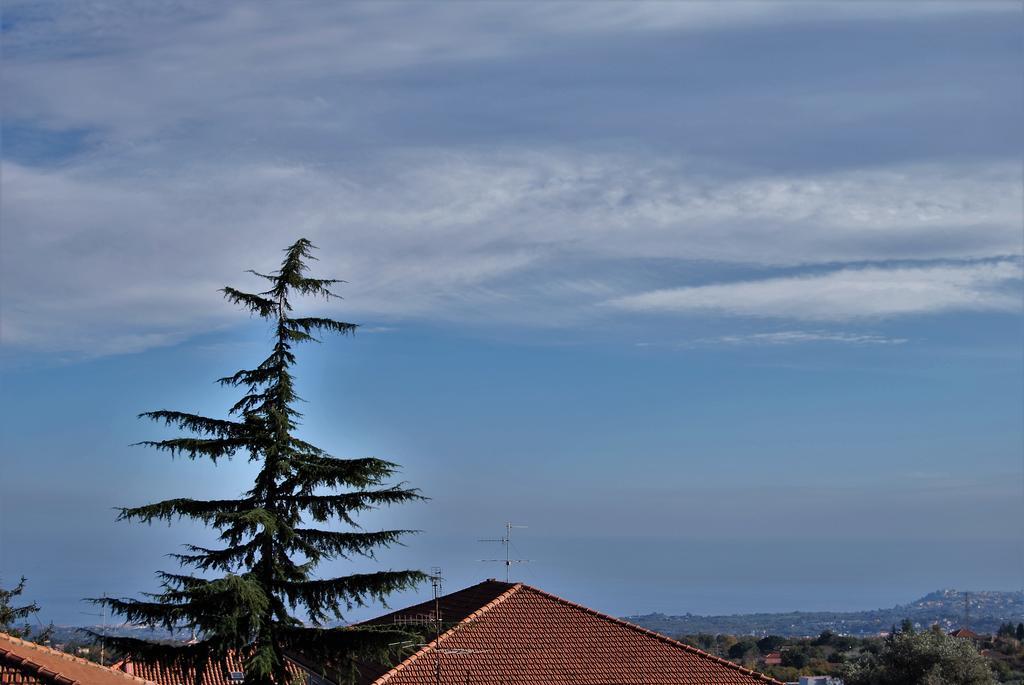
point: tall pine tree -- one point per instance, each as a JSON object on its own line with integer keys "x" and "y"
{"x": 244, "y": 595}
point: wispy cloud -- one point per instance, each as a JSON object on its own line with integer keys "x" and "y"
{"x": 141, "y": 70}
{"x": 174, "y": 143}
{"x": 93, "y": 253}
{"x": 801, "y": 337}
{"x": 848, "y": 294}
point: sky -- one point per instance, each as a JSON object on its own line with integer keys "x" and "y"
{"x": 722, "y": 301}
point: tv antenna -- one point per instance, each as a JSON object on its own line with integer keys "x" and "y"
{"x": 506, "y": 540}
{"x": 435, "y": 618}
{"x": 103, "y": 643}
{"x": 435, "y": 582}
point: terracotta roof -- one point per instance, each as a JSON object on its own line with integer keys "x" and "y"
{"x": 965, "y": 633}
{"x": 215, "y": 674}
{"x": 519, "y": 634}
{"x": 455, "y": 607}
{"x": 502, "y": 633}
{"x": 26, "y": 662}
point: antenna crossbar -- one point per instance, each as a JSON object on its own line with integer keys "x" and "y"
{"x": 506, "y": 540}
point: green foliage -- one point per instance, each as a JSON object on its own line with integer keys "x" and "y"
{"x": 268, "y": 554}
{"x": 825, "y": 638}
{"x": 742, "y": 650}
{"x": 771, "y": 643}
{"x": 1020, "y": 632}
{"x": 11, "y": 615}
{"x": 927, "y": 658}
{"x": 704, "y": 641}
{"x": 795, "y": 659}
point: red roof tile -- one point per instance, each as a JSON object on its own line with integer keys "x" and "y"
{"x": 26, "y": 662}
{"x": 965, "y": 633}
{"x": 519, "y": 634}
{"x": 215, "y": 674}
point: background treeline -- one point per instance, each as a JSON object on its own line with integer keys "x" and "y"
{"x": 988, "y": 610}
{"x": 1001, "y": 655}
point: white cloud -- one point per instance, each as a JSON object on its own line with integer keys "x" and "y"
{"x": 137, "y": 70}
{"x": 93, "y": 254}
{"x": 800, "y": 337}
{"x": 847, "y": 294}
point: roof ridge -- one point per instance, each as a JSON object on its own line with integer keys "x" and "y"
{"x": 430, "y": 646}
{"x": 651, "y": 633}
{"x": 40, "y": 668}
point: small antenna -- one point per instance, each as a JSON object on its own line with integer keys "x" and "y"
{"x": 506, "y": 540}
{"x": 103, "y": 643}
{"x": 435, "y": 581}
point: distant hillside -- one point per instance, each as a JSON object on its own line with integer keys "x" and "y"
{"x": 74, "y": 634}
{"x": 945, "y": 607}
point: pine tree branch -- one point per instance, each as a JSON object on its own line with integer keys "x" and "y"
{"x": 168, "y": 510}
{"x": 323, "y": 598}
{"x": 251, "y": 377}
{"x": 170, "y": 616}
{"x": 256, "y": 304}
{"x": 181, "y": 582}
{"x": 228, "y": 559}
{"x": 324, "y": 507}
{"x": 238, "y": 523}
{"x": 268, "y": 277}
{"x": 196, "y": 423}
{"x": 193, "y": 448}
{"x": 235, "y": 604}
{"x": 328, "y": 544}
{"x": 320, "y": 470}
{"x": 312, "y": 323}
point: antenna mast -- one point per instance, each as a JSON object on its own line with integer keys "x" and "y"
{"x": 435, "y": 581}
{"x": 103, "y": 616}
{"x": 506, "y": 540}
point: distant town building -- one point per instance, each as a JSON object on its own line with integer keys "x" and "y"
{"x": 817, "y": 680}
{"x": 773, "y": 659}
{"x": 965, "y": 633}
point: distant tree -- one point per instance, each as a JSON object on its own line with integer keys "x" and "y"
{"x": 926, "y": 658}
{"x": 1006, "y": 630}
{"x": 724, "y": 643}
{"x": 825, "y": 638}
{"x": 11, "y": 616}
{"x": 771, "y": 643}
{"x": 843, "y": 643}
{"x": 1020, "y": 632}
{"x": 794, "y": 658}
{"x": 907, "y": 626}
{"x": 704, "y": 641}
{"x": 268, "y": 556}
{"x": 740, "y": 649}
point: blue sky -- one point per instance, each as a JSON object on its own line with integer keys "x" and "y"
{"x": 722, "y": 300}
